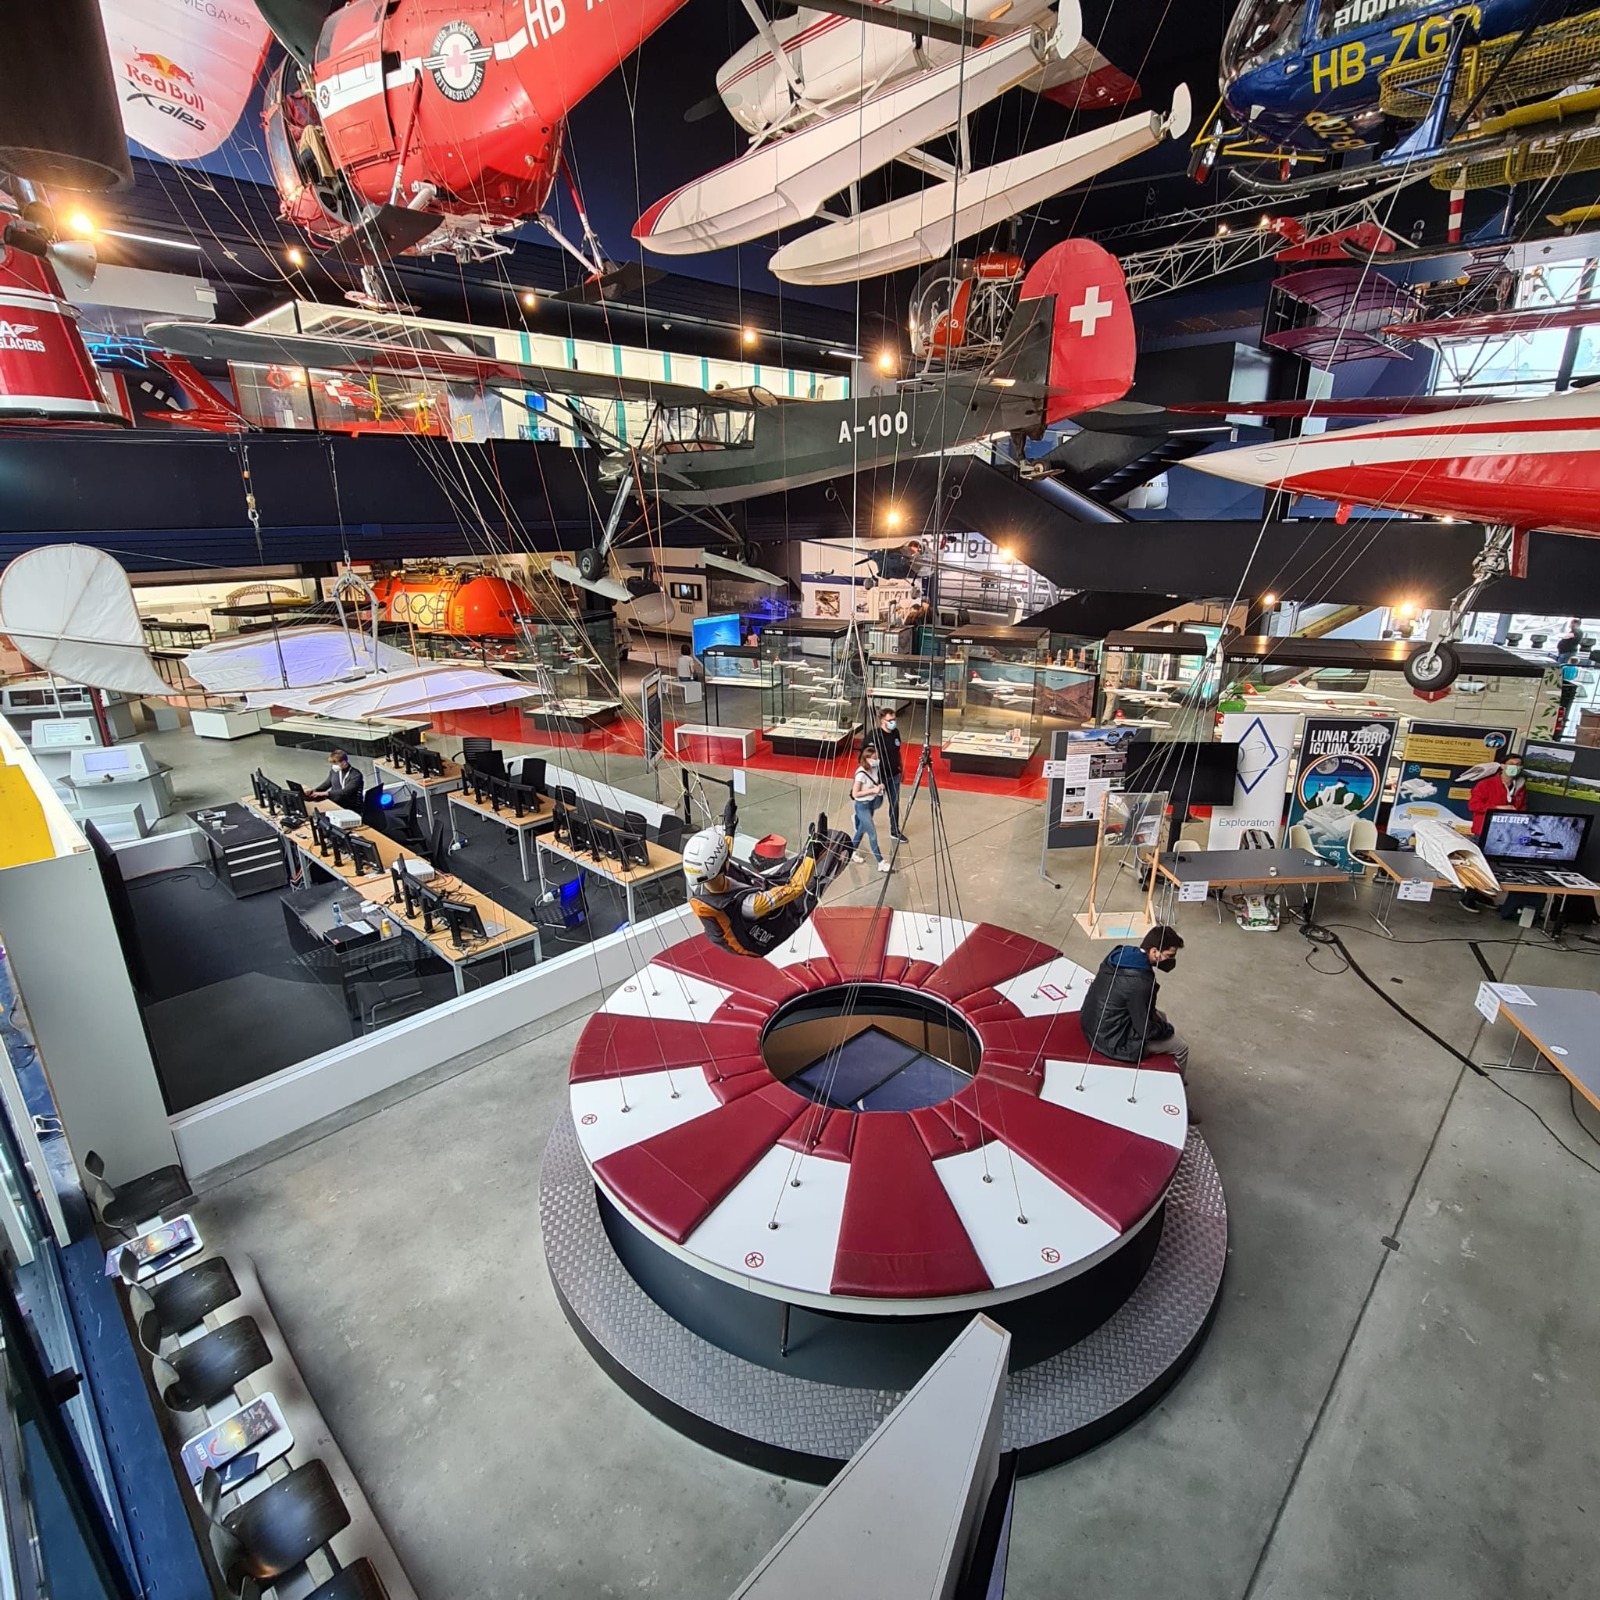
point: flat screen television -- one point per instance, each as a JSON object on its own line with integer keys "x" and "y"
{"x": 715, "y": 630}
{"x": 1191, "y": 773}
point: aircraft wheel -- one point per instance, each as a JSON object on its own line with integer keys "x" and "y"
{"x": 591, "y": 564}
{"x": 1434, "y": 666}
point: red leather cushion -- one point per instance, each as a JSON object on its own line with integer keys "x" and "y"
{"x": 917, "y": 973}
{"x": 747, "y": 975}
{"x": 947, "y": 1130}
{"x": 1016, "y": 1073}
{"x": 1064, "y": 1040}
{"x": 986, "y": 957}
{"x": 822, "y": 1131}
{"x": 855, "y": 937}
{"x": 822, "y": 973}
{"x": 612, "y": 1045}
{"x": 1118, "y": 1175}
{"x": 737, "y": 1078}
{"x": 900, "y": 1235}
{"x": 894, "y": 969}
{"x": 676, "y": 1178}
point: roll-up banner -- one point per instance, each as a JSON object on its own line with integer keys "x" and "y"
{"x": 1266, "y": 750}
{"x": 1339, "y": 779}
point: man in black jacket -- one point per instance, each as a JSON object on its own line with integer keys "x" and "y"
{"x": 344, "y": 784}
{"x": 1120, "y": 1018}
{"x": 886, "y": 737}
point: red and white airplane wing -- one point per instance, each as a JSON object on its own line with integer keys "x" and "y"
{"x": 1529, "y": 464}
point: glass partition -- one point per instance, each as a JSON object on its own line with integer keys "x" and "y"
{"x": 813, "y": 705}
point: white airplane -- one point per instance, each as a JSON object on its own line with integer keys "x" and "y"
{"x": 828, "y": 97}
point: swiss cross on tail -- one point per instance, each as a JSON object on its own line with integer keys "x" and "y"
{"x": 1091, "y": 338}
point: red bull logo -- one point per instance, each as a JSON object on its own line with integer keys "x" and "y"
{"x": 165, "y": 65}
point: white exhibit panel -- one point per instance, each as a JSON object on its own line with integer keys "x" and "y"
{"x": 612, "y": 1113}
{"x": 1058, "y": 986}
{"x": 1136, "y": 1098}
{"x": 799, "y": 1252}
{"x": 667, "y": 996}
{"x": 1058, "y": 1232}
{"x": 920, "y": 937}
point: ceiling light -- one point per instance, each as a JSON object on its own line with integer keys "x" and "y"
{"x": 1222, "y": 228}
{"x": 530, "y": 301}
{"x": 1268, "y": 601}
{"x": 1405, "y": 609}
{"x": 1007, "y": 553}
{"x": 999, "y": 11}
{"x": 844, "y": 355}
{"x": 295, "y": 255}
{"x": 892, "y": 517}
{"x": 748, "y": 335}
{"x": 148, "y": 238}
{"x": 81, "y": 223}
{"x": 886, "y": 361}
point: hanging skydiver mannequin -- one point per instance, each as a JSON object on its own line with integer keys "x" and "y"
{"x": 745, "y": 911}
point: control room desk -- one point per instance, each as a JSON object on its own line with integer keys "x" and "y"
{"x": 1246, "y": 869}
{"x": 1396, "y": 868}
{"x": 518, "y": 931}
{"x": 424, "y": 788}
{"x": 663, "y": 863}
{"x": 525, "y": 826}
{"x": 1564, "y": 1027}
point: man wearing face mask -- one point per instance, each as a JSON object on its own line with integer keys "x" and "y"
{"x": 1119, "y": 1017}
{"x": 886, "y": 737}
{"x": 1500, "y": 791}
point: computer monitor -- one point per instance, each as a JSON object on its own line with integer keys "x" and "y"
{"x": 364, "y": 853}
{"x": 1190, "y": 772}
{"x": 489, "y": 762}
{"x": 463, "y": 919}
{"x": 337, "y": 841}
{"x": 478, "y": 781}
{"x": 1537, "y": 838}
{"x": 499, "y": 790}
{"x": 524, "y": 798}
{"x": 428, "y": 762}
{"x": 295, "y": 809}
{"x": 258, "y": 786}
{"x": 406, "y": 888}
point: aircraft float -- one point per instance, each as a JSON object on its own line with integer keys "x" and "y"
{"x": 1497, "y": 92}
{"x": 1517, "y": 467}
{"x": 1068, "y": 347}
{"x": 829, "y": 97}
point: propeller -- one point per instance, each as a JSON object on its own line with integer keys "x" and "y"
{"x": 629, "y": 278}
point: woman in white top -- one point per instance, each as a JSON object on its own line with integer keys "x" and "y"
{"x": 866, "y": 790}
{"x": 688, "y": 667}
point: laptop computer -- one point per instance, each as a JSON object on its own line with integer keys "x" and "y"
{"x": 1535, "y": 849}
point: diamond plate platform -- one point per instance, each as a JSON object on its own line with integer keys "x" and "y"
{"x": 807, "y": 1429}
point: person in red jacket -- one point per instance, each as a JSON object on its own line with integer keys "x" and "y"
{"x": 1500, "y": 791}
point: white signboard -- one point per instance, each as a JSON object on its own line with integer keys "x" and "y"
{"x": 1197, "y": 890}
{"x": 1266, "y": 755}
{"x": 1414, "y": 889}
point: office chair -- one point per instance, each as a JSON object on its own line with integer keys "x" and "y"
{"x": 402, "y": 825}
{"x": 388, "y": 985}
{"x": 669, "y": 832}
{"x": 122, "y": 1209}
{"x": 533, "y": 773}
{"x": 634, "y": 828}
{"x": 276, "y": 1530}
{"x": 439, "y": 846}
{"x": 563, "y": 821}
{"x": 205, "y": 1370}
{"x": 164, "y": 1310}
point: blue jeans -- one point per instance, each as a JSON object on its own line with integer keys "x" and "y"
{"x": 865, "y": 825}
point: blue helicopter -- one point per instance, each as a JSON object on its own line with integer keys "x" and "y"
{"x": 1380, "y": 87}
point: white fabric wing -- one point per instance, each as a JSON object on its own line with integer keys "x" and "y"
{"x": 437, "y": 686}
{"x": 184, "y": 71}
{"x": 70, "y": 610}
{"x": 293, "y": 658}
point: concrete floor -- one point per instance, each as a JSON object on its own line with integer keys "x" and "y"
{"x": 1400, "y": 1397}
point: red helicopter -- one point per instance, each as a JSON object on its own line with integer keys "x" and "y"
{"x": 407, "y": 125}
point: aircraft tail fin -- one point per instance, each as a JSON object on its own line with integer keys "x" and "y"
{"x": 1073, "y": 330}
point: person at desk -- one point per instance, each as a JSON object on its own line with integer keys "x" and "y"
{"x": 344, "y": 785}
{"x": 1502, "y": 790}
{"x": 740, "y": 910}
{"x": 1119, "y": 1017}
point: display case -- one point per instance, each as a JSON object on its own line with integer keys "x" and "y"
{"x": 904, "y": 681}
{"x": 736, "y": 679}
{"x": 1165, "y": 682}
{"x": 812, "y": 706}
{"x": 575, "y": 666}
{"x": 996, "y": 696}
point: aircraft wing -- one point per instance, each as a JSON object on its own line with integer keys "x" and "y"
{"x": 207, "y": 341}
{"x": 928, "y": 19}
{"x": 1410, "y": 405}
{"x": 1497, "y": 324}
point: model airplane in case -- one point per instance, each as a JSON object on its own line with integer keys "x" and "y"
{"x": 829, "y": 97}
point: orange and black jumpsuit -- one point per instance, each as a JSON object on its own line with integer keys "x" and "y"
{"x": 752, "y": 921}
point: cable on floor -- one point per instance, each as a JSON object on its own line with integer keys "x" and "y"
{"x": 1323, "y": 936}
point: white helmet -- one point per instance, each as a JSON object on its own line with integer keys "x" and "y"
{"x": 705, "y": 856}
